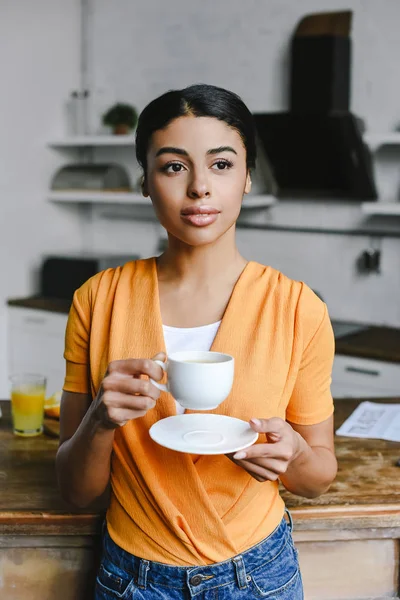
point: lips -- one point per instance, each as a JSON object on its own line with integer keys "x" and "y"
{"x": 199, "y": 216}
{"x": 199, "y": 210}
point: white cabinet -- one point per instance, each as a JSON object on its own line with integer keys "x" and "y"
{"x": 354, "y": 377}
{"x": 36, "y": 344}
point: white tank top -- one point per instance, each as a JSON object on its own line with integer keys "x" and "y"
{"x": 178, "y": 339}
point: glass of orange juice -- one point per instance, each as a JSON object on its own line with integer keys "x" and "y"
{"x": 27, "y": 403}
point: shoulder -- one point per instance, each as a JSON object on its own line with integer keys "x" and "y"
{"x": 274, "y": 282}
{"x": 293, "y": 296}
{"x": 104, "y": 284}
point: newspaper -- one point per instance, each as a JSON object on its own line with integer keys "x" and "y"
{"x": 373, "y": 420}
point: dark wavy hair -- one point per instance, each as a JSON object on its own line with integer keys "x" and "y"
{"x": 199, "y": 100}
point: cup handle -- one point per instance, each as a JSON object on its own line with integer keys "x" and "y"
{"x": 160, "y": 386}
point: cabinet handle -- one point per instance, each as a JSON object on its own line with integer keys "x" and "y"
{"x": 362, "y": 371}
{"x": 35, "y": 320}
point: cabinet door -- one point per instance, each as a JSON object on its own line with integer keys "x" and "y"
{"x": 36, "y": 344}
{"x": 364, "y": 378}
{"x": 346, "y": 390}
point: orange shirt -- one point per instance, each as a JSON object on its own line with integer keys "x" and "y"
{"x": 178, "y": 508}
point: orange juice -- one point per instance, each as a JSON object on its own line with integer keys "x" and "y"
{"x": 27, "y": 407}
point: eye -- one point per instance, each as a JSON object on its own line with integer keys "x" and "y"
{"x": 173, "y": 167}
{"x": 222, "y": 165}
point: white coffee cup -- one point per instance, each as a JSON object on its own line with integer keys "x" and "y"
{"x": 198, "y": 380}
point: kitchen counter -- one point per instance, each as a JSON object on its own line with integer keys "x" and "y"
{"x": 57, "y": 305}
{"x": 364, "y": 341}
{"x": 357, "y": 522}
{"x": 370, "y": 341}
{"x": 28, "y": 489}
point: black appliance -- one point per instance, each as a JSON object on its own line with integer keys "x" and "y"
{"x": 316, "y": 149}
{"x": 60, "y": 276}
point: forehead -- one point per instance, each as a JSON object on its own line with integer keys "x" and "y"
{"x": 196, "y": 134}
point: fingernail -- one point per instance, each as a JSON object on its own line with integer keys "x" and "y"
{"x": 239, "y": 455}
{"x": 256, "y": 422}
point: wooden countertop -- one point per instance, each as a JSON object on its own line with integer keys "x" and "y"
{"x": 377, "y": 343}
{"x": 366, "y": 490}
{"x": 57, "y": 305}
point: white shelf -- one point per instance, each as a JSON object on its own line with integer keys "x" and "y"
{"x": 376, "y": 140}
{"x": 381, "y": 208}
{"x": 93, "y": 140}
{"x": 259, "y": 201}
{"x": 98, "y": 197}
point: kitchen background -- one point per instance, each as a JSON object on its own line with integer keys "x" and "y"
{"x": 133, "y": 51}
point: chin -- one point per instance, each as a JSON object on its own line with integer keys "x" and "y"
{"x": 197, "y": 237}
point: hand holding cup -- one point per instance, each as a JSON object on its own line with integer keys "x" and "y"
{"x": 123, "y": 394}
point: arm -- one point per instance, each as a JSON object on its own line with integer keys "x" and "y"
{"x": 300, "y": 450}
{"x": 87, "y": 428}
{"x": 83, "y": 457}
{"x": 314, "y": 467}
{"x": 301, "y": 456}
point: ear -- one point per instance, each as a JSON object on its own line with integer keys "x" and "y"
{"x": 247, "y": 187}
{"x": 143, "y": 185}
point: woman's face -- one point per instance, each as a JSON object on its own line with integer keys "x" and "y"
{"x": 196, "y": 178}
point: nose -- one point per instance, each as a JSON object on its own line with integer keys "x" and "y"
{"x": 199, "y": 186}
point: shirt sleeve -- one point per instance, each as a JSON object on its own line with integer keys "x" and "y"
{"x": 311, "y": 400}
{"x": 76, "y": 352}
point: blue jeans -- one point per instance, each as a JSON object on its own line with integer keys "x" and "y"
{"x": 268, "y": 570}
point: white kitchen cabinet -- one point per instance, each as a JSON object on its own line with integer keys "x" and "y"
{"x": 36, "y": 344}
{"x": 354, "y": 377}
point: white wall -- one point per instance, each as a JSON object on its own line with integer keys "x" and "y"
{"x": 139, "y": 50}
{"x": 39, "y": 63}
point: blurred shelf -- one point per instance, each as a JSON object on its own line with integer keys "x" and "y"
{"x": 259, "y": 201}
{"x": 80, "y": 141}
{"x": 381, "y": 208}
{"x": 376, "y": 140}
{"x": 249, "y": 202}
{"x": 76, "y": 197}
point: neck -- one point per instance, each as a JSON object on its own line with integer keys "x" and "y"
{"x": 205, "y": 263}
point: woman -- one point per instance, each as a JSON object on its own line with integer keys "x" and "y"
{"x": 180, "y": 525}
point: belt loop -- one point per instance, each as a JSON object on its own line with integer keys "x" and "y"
{"x": 240, "y": 572}
{"x": 143, "y": 568}
{"x": 290, "y": 524}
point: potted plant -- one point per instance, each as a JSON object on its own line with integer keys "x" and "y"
{"x": 121, "y": 117}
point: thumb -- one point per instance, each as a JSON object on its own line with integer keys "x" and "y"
{"x": 160, "y": 356}
{"x": 271, "y": 427}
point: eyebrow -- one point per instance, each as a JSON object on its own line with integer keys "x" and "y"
{"x": 182, "y": 152}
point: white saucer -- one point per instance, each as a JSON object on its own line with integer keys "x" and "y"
{"x": 203, "y": 434}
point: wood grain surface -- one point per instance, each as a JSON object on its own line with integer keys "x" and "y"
{"x": 57, "y": 305}
{"x": 367, "y": 486}
{"x": 377, "y": 343}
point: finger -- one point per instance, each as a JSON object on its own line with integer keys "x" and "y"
{"x": 273, "y": 428}
{"x": 274, "y": 465}
{"x": 114, "y": 400}
{"x": 128, "y": 385}
{"x": 279, "y": 450}
{"x": 258, "y": 472}
{"x": 136, "y": 366}
{"x": 120, "y": 417}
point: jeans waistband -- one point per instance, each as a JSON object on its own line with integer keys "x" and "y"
{"x": 237, "y": 568}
